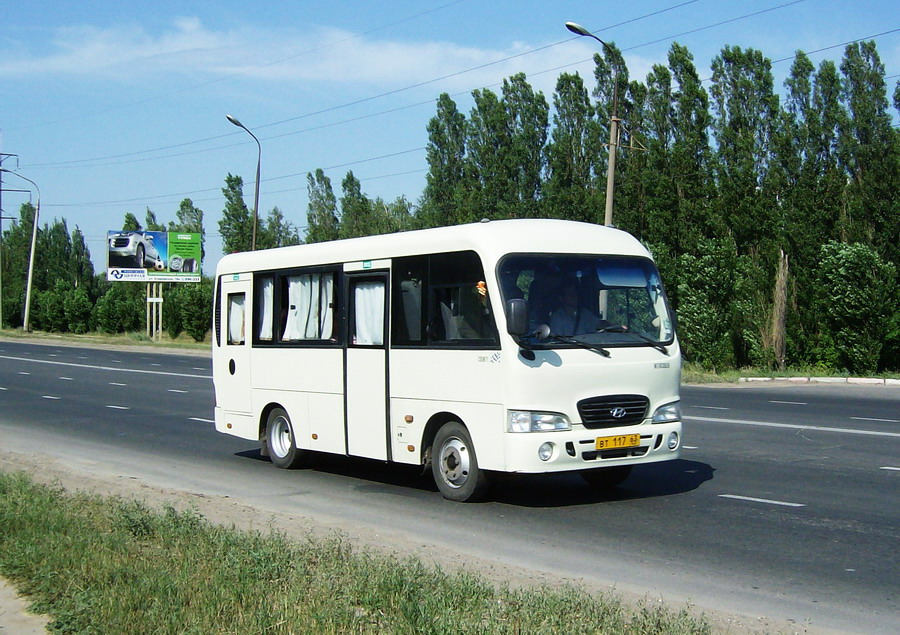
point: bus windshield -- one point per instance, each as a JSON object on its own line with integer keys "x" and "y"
{"x": 588, "y": 299}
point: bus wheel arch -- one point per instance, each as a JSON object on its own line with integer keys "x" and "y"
{"x": 279, "y": 439}
{"x": 454, "y": 462}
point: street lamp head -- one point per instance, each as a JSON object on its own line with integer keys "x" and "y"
{"x": 577, "y": 29}
{"x": 235, "y": 121}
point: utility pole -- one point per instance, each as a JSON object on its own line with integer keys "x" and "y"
{"x": 577, "y": 29}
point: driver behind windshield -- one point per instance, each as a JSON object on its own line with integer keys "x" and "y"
{"x": 569, "y": 318}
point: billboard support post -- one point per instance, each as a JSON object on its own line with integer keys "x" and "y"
{"x": 154, "y": 310}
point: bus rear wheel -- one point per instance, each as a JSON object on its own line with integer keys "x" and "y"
{"x": 281, "y": 442}
{"x": 454, "y": 465}
{"x": 606, "y": 477}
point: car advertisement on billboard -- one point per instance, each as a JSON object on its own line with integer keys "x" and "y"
{"x": 145, "y": 256}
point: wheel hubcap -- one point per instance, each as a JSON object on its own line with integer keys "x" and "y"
{"x": 454, "y": 461}
{"x": 280, "y": 438}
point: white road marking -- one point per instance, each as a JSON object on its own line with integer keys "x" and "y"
{"x": 795, "y": 426}
{"x": 182, "y": 392}
{"x": 761, "y": 500}
{"x": 2, "y": 388}
{"x": 197, "y": 368}
{"x": 690, "y": 447}
{"x": 114, "y": 383}
{"x": 66, "y": 379}
{"x": 790, "y": 403}
{"x": 710, "y": 407}
{"x": 874, "y": 419}
{"x": 156, "y": 364}
{"x": 50, "y": 397}
{"x": 201, "y": 420}
{"x": 118, "y": 370}
{"x": 888, "y": 467}
{"x": 119, "y": 407}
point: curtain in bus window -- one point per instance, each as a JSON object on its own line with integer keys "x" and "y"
{"x": 368, "y": 298}
{"x": 326, "y": 311}
{"x": 310, "y": 313}
{"x": 236, "y": 318}
{"x": 266, "y": 312}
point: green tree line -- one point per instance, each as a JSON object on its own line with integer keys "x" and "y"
{"x": 774, "y": 218}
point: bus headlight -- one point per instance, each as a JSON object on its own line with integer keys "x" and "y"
{"x": 668, "y": 413}
{"x": 526, "y": 421}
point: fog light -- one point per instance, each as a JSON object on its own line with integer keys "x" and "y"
{"x": 545, "y": 451}
{"x": 673, "y": 440}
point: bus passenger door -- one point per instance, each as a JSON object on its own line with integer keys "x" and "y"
{"x": 366, "y": 366}
{"x": 233, "y": 361}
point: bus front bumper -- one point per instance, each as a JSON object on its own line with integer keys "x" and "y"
{"x": 580, "y": 449}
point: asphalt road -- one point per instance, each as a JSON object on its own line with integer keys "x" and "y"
{"x": 784, "y": 503}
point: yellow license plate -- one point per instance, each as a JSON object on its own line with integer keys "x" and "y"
{"x": 620, "y": 441}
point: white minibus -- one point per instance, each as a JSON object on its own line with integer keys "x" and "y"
{"x": 524, "y": 346}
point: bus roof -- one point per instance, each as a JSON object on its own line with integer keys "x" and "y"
{"x": 491, "y": 239}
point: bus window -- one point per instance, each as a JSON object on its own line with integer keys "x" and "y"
{"x": 368, "y": 313}
{"x": 266, "y": 308}
{"x": 408, "y": 320}
{"x": 235, "y": 318}
{"x": 460, "y": 309}
{"x": 308, "y": 307}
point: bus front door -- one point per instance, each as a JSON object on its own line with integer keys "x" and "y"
{"x": 366, "y": 366}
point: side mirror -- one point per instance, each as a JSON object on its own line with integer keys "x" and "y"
{"x": 517, "y": 317}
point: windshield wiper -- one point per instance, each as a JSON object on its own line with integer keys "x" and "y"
{"x": 660, "y": 347}
{"x": 615, "y": 328}
{"x": 572, "y": 340}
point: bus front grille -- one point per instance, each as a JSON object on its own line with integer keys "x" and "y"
{"x": 612, "y": 411}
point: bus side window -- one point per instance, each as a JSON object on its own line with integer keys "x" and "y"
{"x": 265, "y": 312}
{"x": 236, "y": 318}
{"x": 408, "y": 291}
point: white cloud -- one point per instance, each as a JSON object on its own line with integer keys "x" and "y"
{"x": 284, "y": 55}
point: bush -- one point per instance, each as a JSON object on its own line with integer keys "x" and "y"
{"x": 857, "y": 294}
{"x": 121, "y": 308}
{"x": 78, "y": 309}
{"x": 706, "y": 291}
{"x": 196, "y": 310}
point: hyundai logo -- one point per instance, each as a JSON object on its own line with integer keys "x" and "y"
{"x": 618, "y": 413}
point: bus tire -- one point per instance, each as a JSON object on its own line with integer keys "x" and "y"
{"x": 454, "y": 465}
{"x": 606, "y": 477}
{"x": 281, "y": 442}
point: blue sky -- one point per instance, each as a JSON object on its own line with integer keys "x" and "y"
{"x": 113, "y": 107}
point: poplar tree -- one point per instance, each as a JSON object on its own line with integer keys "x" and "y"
{"x": 236, "y": 225}
{"x": 446, "y": 157}
{"x": 321, "y": 216}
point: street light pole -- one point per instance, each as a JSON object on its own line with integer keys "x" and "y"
{"x": 34, "y": 230}
{"x": 258, "y": 163}
{"x": 577, "y": 29}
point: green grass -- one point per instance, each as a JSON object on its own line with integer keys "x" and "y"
{"x": 107, "y": 565}
{"x": 183, "y": 341}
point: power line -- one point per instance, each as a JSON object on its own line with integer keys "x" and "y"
{"x": 365, "y": 99}
{"x": 233, "y": 75}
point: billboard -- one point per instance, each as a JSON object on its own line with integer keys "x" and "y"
{"x": 145, "y": 256}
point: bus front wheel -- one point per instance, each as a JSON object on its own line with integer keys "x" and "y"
{"x": 455, "y": 465}
{"x": 280, "y": 440}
